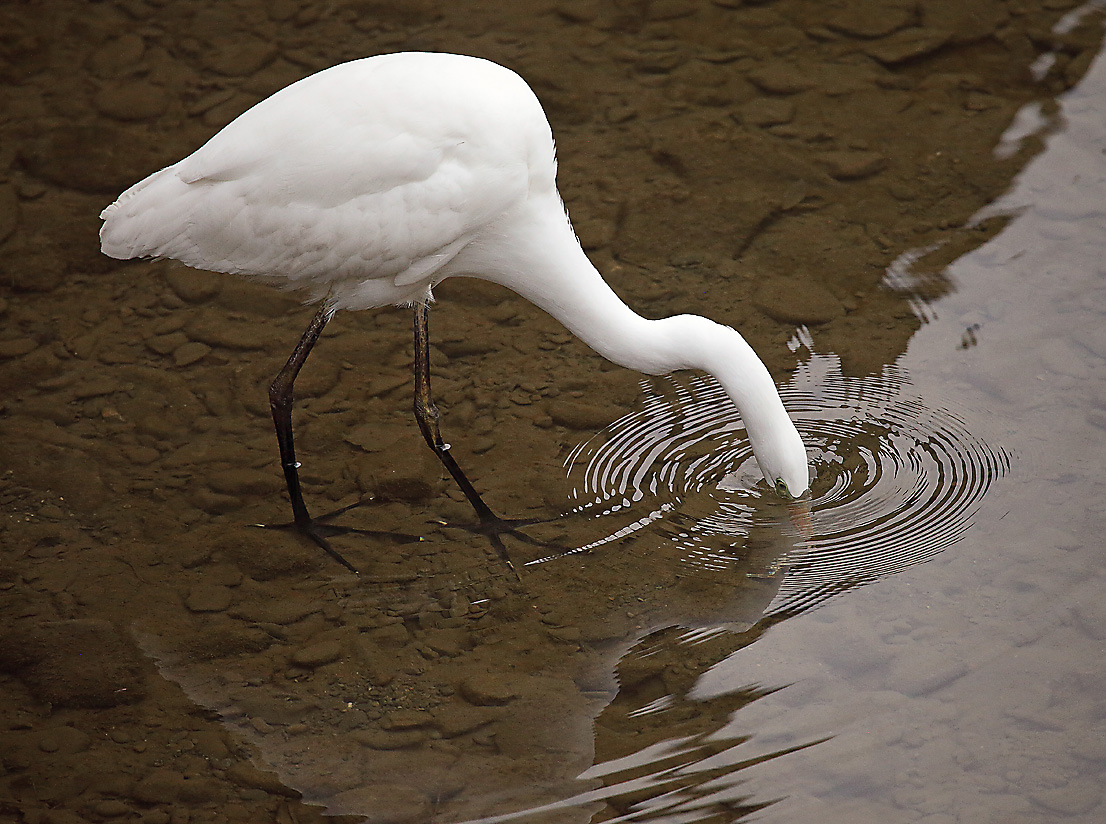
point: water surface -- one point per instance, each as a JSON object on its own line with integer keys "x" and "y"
{"x": 803, "y": 172}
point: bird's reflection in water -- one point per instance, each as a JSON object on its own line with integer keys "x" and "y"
{"x": 897, "y": 479}
{"x": 460, "y": 697}
{"x": 464, "y": 694}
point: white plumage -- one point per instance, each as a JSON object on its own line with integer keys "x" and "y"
{"x": 362, "y": 180}
{"x": 371, "y": 181}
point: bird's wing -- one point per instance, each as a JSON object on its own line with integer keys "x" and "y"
{"x": 331, "y": 184}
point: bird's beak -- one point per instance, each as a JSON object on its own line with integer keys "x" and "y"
{"x": 799, "y": 512}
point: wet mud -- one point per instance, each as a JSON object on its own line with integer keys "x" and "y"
{"x": 162, "y": 660}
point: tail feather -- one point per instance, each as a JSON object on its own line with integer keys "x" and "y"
{"x": 138, "y": 224}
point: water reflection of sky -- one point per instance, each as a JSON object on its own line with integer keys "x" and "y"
{"x": 970, "y": 689}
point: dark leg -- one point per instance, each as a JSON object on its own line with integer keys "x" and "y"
{"x": 280, "y": 402}
{"x": 427, "y": 416}
{"x": 426, "y": 413}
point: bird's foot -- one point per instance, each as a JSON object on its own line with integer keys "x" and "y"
{"x": 319, "y": 530}
{"x": 494, "y": 528}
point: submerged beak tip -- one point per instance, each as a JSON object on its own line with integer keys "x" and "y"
{"x": 799, "y": 509}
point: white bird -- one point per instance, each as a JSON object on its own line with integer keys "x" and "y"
{"x": 369, "y": 183}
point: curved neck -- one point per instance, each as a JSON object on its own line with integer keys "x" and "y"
{"x": 545, "y": 264}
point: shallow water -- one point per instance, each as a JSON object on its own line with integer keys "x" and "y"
{"x": 661, "y": 657}
{"x": 971, "y": 688}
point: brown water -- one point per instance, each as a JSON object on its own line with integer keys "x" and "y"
{"x": 761, "y": 163}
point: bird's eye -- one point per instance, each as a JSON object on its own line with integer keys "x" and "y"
{"x": 781, "y": 488}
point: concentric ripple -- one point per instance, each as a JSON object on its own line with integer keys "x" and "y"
{"x": 896, "y": 480}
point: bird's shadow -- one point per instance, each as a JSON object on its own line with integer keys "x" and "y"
{"x": 321, "y": 528}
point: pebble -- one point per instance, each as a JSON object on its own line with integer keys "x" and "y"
{"x": 852, "y": 165}
{"x": 402, "y": 469}
{"x": 468, "y": 347}
{"x": 780, "y": 78}
{"x": 282, "y": 612}
{"x": 907, "y": 44}
{"x": 213, "y": 503}
{"x": 449, "y": 642}
{"x": 921, "y": 675}
{"x": 1078, "y": 797}
{"x": 578, "y": 415}
{"x": 218, "y": 331}
{"x": 870, "y": 20}
{"x": 92, "y": 387}
{"x": 458, "y": 720}
{"x": 391, "y": 635}
{"x": 166, "y": 344}
{"x": 971, "y": 22}
{"x": 316, "y": 655}
{"x": 211, "y": 744}
{"x": 64, "y": 740}
{"x": 110, "y": 808}
{"x": 239, "y": 56}
{"x": 209, "y": 598}
{"x": 481, "y": 445}
{"x": 798, "y": 300}
{"x": 766, "y": 111}
{"x": 132, "y": 100}
{"x": 578, "y": 11}
{"x": 42, "y": 265}
{"x": 193, "y": 285}
{"x": 17, "y": 347}
{"x": 385, "y": 384}
{"x": 190, "y": 353}
{"x": 247, "y": 775}
{"x": 657, "y": 59}
{"x": 116, "y": 56}
{"x": 486, "y": 689}
{"x": 402, "y": 719}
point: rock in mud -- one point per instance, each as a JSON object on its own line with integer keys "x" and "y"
{"x": 798, "y": 301}
{"x": 907, "y": 45}
{"x": 132, "y": 100}
{"x": 316, "y": 655}
{"x": 486, "y": 689}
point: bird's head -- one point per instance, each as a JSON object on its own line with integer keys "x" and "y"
{"x": 782, "y": 458}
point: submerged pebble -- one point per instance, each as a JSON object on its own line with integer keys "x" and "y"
{"x": 486, "y": 689}
{"x": 209, "y": 598}
{"x": 795, "y": 300}
{"x": 132, "y": 100}
{"x": 316, "y": 655}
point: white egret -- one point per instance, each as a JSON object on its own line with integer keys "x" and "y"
{"x": 369, "y": 183}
